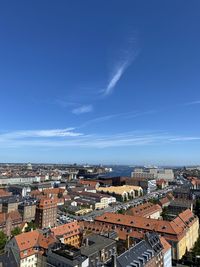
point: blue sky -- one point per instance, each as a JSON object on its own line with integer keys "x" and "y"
{"x": 100, "y": 81}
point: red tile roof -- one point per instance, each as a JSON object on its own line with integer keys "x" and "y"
{"x": 144, "y": 210}
{"x": 174, "y": 228}
{"x": 165, "y": 244}
{"x": 27, "y": 242}
{"x": 66, "y": 230}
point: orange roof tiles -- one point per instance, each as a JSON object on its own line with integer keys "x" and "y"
{"x": 165, "y": 244}
{"x": 13, "y": 215}
{"x": 88, "y": 182}
{"x": 27, "y": 242}
{"x": 66, "y": 230}
{"x": 142, "y": 223}
{"x": 4, "y": 193}
{"x": 96, "y": 227}
{"x": 144, "y": 210}
{"x": 164, "y": 201}
{"x": 47, "y": 202}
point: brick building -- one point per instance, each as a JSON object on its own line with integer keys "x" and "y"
{"x": 46, "y": 213}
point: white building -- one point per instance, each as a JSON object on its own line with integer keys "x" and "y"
{"x": 18, "y": 180}
{"x": 153, "y": 173}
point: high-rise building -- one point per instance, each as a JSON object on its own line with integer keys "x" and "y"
{"x": 46, "y": 213}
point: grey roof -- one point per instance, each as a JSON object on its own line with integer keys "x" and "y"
{"x": 60, "y": 257}
{"x": 8, "y": 260}
{"x": 134, "y": 255}
{"x": 181, "y": 203}
{"x": 142, "y": 252}
{"x": 96, "y": 243}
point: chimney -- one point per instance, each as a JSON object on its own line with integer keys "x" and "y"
{"x": 127, "y": 241}
{"x": 86, "y": 242}
{"x": 114, "y": 261}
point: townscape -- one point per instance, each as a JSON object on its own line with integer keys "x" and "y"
{"x": 62, "y": 215}
{"x": 99, "y": 133}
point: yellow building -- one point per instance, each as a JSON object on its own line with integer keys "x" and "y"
{"x": 123, "y": 193}
{"x": 181, "y": 233}
{"x": 82, "y": 212}
{"x": 190, "y": 223}
{"x": 68, "y": 233}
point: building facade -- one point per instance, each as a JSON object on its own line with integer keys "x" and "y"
{"x": 46, "y": 213}
{"x": 68, "y": 234}
{"x": 181, "y": 233}
{"x": 122, "y": 193}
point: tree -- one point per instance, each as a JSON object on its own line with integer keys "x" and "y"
{"x": 16, "y": 231}
{"x": 164, "y": 213}
{"x": 3, "y": 239}
{"x": 153, "y": 200}
{"x": 31, "y": 226}
{"x": 197, "y": 208}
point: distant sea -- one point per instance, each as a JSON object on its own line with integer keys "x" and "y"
{"x": 119, "y": 171}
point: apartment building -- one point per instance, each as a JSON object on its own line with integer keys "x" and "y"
{"x": 10, "y": 205}
{"x": 64, "y": 255}
{"x": 167, "y": 252}
{"x": 146, "y": 253}
{"x": 9, "y": 221}
{"x": 122, "y": 193}
{"x": 98, "y": 249}
{"x": 27, "y": 210}
{"x": 94, "y": 200}
{"x": 18, "y": 180}
{"x": 181, "y": 233}
{"x": 148, "y": 184}
{"x": 153, "y": 173}
{"x": 46, "y": 213}
{"x": 68, "y": 234}
{"x": 147, "y": 210}
{"x": 29, "y": 248}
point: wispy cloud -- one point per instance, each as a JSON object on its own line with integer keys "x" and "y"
{"x": 82, "y": 109}
{"x": 185, "y": 138}
{"x": 127, "y": 57}
{"x": 116, "y": 77}
{"x": 124, "y": 115}
{"x": 68, "y": 132}
{"x": 196, "y": 102}
{"x": 59, "y": 138}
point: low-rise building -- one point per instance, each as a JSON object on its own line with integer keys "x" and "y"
{"x": 22, "y": 190}
{"x": 178, "y": 205}
{"x": 18, "y": 180}
{"x": 4, "y": 193}
{"x": 28, "y": 210}
{"x": 67, "y": 256}
{"x": 148, "y": 185}
{"x": 9, "y": 221}
{"x": 29, "y": 248}
{"x": 153, "y": 173}
{"x": 147, "y": 210}
{"x": 68, "y": 234}
{"x": 164, "y": 202}
{"x": 98, "y": 249}
{"x": 10, "y": 205}
{"x": 146, "y": 253}
{"x": 167, "y": 252}
{"x": 181, "y": 233}
{"x": 93, "y": 200}
{"x": 122, "y": 193}
{"x": 161, "y": 183}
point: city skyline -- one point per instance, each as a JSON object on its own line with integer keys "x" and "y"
{"x": 108, "y": 83}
